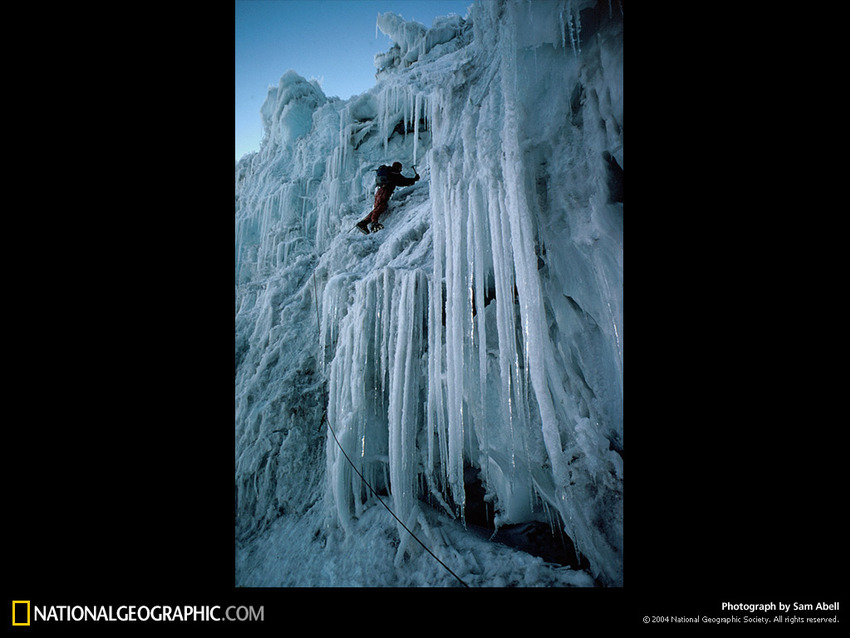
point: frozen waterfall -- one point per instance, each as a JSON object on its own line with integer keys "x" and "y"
{"x": 469, "y": 357}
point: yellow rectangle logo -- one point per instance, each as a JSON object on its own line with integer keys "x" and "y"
{"x": 18, "y": 613}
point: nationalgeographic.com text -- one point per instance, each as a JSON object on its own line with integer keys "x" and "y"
{"x": 23, "y": 613}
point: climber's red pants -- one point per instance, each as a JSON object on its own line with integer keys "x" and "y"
{"x": 382, "y": 200}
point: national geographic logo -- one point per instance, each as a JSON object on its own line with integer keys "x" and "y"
{"x": 20, "y": 613}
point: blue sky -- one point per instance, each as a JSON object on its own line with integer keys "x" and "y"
{"x": 332, "y": 41}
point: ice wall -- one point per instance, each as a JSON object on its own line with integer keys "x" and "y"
{"x": 482, "y": 328}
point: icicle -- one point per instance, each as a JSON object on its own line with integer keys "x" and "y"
{"x": 504, "y": 302}
{"x": 404, "y": 385}
{"x": 416, "y": 115}
{"x": 438, "y": 451}
{"x": 578, "y": 30}
{"x": 383, "y": 109}
{"x": 479, "y": 221}
{"x": 574, "y": 25}
{"x": 406, "y": 113}
{"x": 455, "y": 314}
{"x": 405, "y": 539}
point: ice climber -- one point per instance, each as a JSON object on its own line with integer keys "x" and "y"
{"x": 388, "y": 178}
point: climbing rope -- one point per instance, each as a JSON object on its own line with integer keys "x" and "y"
{"x": 363, "y": 478}
{"x": 380, "y": 500}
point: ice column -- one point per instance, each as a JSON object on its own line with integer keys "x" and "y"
{"x": 376, "y": 387}
{"x": 404, "y": 413}
{"x": 534, "y": 328}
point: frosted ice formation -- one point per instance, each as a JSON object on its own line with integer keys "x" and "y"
{"x": 476, "y": 341}
{"x": 413, "y": 42}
